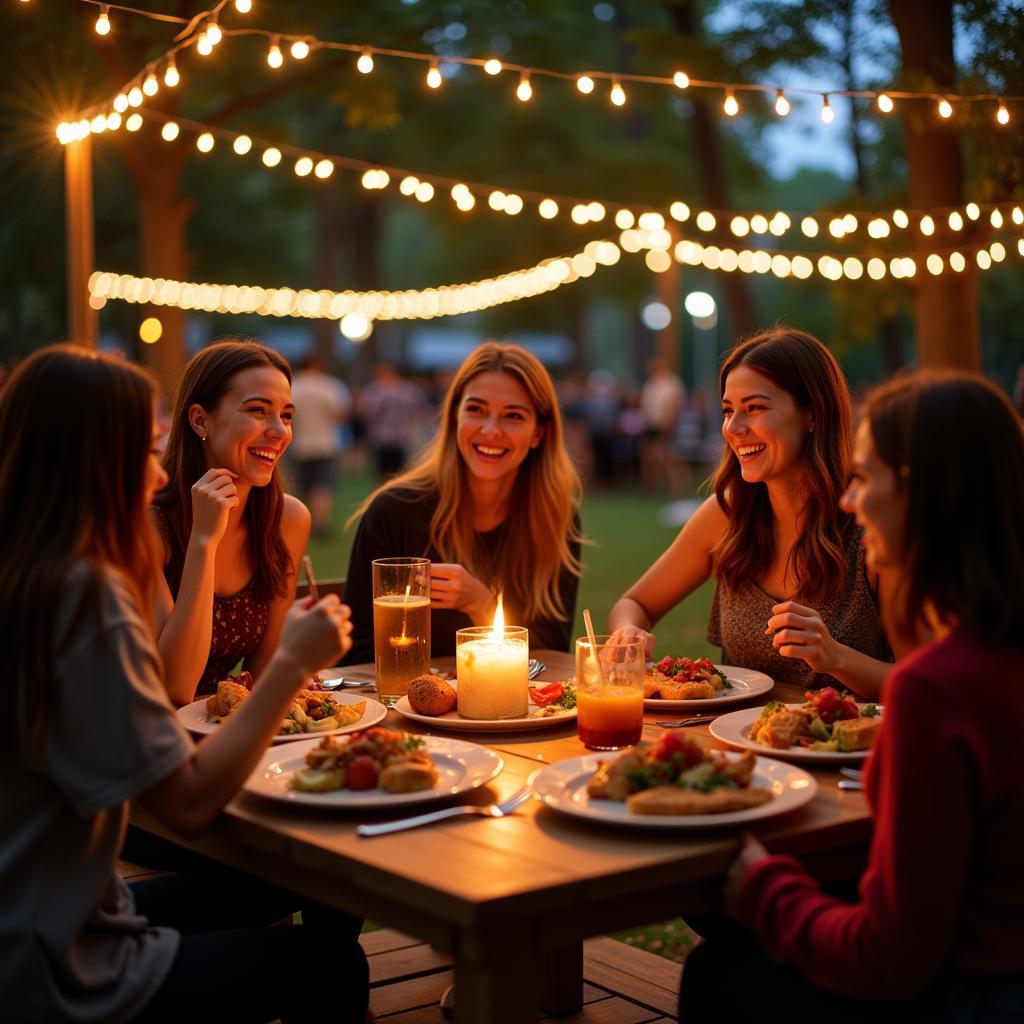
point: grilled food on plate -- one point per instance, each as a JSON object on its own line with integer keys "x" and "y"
{"x": 684, "y": 679}
{"x": 829, "y": 720}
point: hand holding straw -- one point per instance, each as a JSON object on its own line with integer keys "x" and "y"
{"x": 588, "y": 622}
{"x": 307, "y": 566}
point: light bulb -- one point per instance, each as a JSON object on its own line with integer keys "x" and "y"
{"x": 781, "y": 103}
{"x": 828, "y": 115}
{"x": 213, "y": 32}
{"x": 524, "y": 91}
{"x": 150, "y": 86}
{"x": 809, "y": 226}
{"x": 927, "y": 225}
{"x": 243, "y": 6}
{"x": 135, "y": 96}
{"x": 1002, "y": 114}
{"x": 134, "y": 123}
{"x": 300, "y": 49}
{"x": 996, "y": 219}
{"x": 171, "y": 76}
{"x": 434, "y": 79}
{"x": 900, "y": 219}
{"x": 303, "y": 166}
{"x": 324, "y": 168}
{"x": 203, "y": 45}
{"x": 271, "y": 156}
{"x": 618, "y": 94}
{"x": 170, "y": 131}
{"x": 113, "y": 121}
{"x": 973, "y": 210}
{"x": 680, "y": 211}
{"x": 945, "y": 109}
{"x": 103, "y": 21}
{"x": 365, "y": 63}
{"x": 121, "y": 103}
{"x": 242, "y": 145}
{"x": 492, "y": 66}
{"x": 98, "y": 124}
{"x": 274, "y": 56}
{"x": 204, "y": 143}
{"x": 885, "y": 103}
{"x": 585, "y": 84}
{"x": 956, "y": 222}
{"x": 681, "y": 80}
{"x": 731, "y": 105}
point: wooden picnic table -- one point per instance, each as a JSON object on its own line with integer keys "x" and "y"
{"x": 511, "y": 899}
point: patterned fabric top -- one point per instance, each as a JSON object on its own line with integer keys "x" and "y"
{"x": 239, "y": 622}
{"x": 739, "y": 617}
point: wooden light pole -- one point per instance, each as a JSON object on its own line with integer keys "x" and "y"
{"x": 83, "y": 320}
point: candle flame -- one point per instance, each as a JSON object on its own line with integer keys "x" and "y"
{"x": 498, "y": 626}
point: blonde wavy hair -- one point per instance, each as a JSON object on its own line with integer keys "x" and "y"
{"x": 543, "y": 522}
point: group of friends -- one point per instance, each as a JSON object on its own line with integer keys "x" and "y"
{"x": 135, "y": 574}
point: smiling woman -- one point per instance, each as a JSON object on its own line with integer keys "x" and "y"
{"x": 493, "y": 503}
{"x": 231, "y": 537}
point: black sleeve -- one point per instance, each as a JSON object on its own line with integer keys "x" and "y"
{"x": 555, "y": 634}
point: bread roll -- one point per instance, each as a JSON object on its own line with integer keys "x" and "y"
{"x": 431, "y": 695}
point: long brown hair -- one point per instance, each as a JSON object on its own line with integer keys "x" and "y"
{"x": 955, "y": 443}
{"x": 805, "y": 369}
{"x": 205, "y": 380}
{"x": 545, "y": 500}
{"x": 76, "y": 428}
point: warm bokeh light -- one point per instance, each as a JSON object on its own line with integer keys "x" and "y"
{"x": 828, "y": 115}
{"x": 271, "y": 156}
{"x": 585, "y": 84}
{"x": 274, "y": 56}
{"x": 618, "y": 94}
{"x": 681, "y": 80}
{"x": 782, "y": 105}
{"x": 170, "y": 131}
{"x": 885, "y": 104}
{"x": 204, "y": 143}
{"x": 365, "y": 63}
{"x": 492, "y": 66}
{"x": 731, "y": 105}
{"x": 300, "y": 49}
{"x": 103, "y": 21}
{"x": 242, "y": 144}
{"x": 150, "y": 330}
{"x": 524, "y": 91}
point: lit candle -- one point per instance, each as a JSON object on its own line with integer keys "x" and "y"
{"x": 492, "y": 665}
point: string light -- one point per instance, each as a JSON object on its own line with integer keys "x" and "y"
{"x": 365, "y": 63}
{"x": 681, "y": 80}
{"x": 731, "y": 106}
{"x": 120, "y": 103}
{"x": 618, "y": 94}
{"x": 103, "y": 21}
{"x": 271, "y": 156}
{"x": 679, "y": 211}
{"x": 203, "y": 45}
{"x": 585, "y": 84}
{"x": 171, "y": 76}
{"x": 242, "y": 145}
{"x": 300, "y": 49}
{"x": 782, "y": 105}
{"x": 205, "y": 142}
{"x": 524, "y": 91}
{"x": 303, "y": 166}
{"x": 274, "y": 56}
{"x": 1002, "y": 114}
{"x": 170, "y": 131}
{"x": 213, "y": 31}
{"x": 150, "y": 86}
{"x": 809, "y": 226}
{"x": 243, "y": 6}
{"x": 434, "y": 79}
{"x": 927, "y": 225}
{"x": 945, "y": 109}
{"x": 134, "y": 123}
{"x": 325, "y": 168}
{"x": 996, "y": 219}
{"x": 492, "y": 66}
{"x": 956, "y": 222}
{"x": 972, "y": 210}
{"x": 885, "y": 104}
{"x": 135, "y": 96}
{"x": 828, "y": 115}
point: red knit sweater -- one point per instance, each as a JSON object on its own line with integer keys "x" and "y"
{"x": 943, "y": 892}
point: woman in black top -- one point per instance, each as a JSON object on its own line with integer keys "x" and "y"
{"x": 493, "y": 502}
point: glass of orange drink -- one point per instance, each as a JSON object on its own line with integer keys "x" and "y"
{"x": 610, "y": 691}
{"x": 401, "y": 624}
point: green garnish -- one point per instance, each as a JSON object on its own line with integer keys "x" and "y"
{"x": 568, "y": 699}
{"x": 713, "y": 781}
{"x": 870, "y": 711}
{"x": 770, "y": 708}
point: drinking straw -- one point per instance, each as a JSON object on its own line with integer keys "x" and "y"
{"x": 307, "y": 565}
{"x": 405, "y": 607}
{"x": 588, "y": 622}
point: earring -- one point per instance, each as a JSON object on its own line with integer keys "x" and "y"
{"x": 203, "y": 437}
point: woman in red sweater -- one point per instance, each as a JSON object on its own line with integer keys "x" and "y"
{"x": 937, "y": 930}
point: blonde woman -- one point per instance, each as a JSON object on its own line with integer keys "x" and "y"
{"x": 493, "y": 502}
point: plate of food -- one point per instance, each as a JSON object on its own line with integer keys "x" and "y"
{"x": 828, "y": 728}
{"x": 682, "y": 684}
{"x": 432, "y": 700}
{"x": 375, "y": 768}
{"x": 675, "y": 783}
{"x": 310, "y": 713}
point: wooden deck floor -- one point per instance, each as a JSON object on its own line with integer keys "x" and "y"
{"x": 623, "y": 985}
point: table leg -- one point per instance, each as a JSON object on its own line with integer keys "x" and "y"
{"x": 562, "y": 981}
{"x": 497, "y": 982}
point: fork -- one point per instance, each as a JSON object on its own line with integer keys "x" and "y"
{"x": 700, "y": 720}
{"x": 536, "y": 667}
{"x": 506, "y": 807}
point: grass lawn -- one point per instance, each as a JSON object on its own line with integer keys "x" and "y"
{"x": 627, "y": 535}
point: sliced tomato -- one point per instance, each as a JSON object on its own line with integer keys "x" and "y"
{"x": 542, "y": 696}
{"x": 361, "y": 773}
{"x": 673, "y": 743}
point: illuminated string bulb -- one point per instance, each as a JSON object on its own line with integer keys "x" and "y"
{"x": 113, "y": 121}
{"x": 836, "y": 227}
{"x": 492, "y": 66}
{"x": 956, "y": 222}
{"x": 271, "y": 156}
{"x": 303, "y": 166}
{"x": 464, "y": 199}
{"x": 618, "y": 94}
{"x": 759, "y": 223}
{"x": 658, "y": 260}
{"x": 878, "y": 227}
{"x": 513, "y": 204}
{"x": 375, "y": 178}
{"x": 243, "y": 6}
{"x": 203, "y": 45}
{"x": 802, "y": 267}
{"x": 850, "y": 223}
{"x": 98, "y": 124}
{"x": 945, "y": 109}
{"x": 524, "y": 91}
{"x": 150, "y": 86}
{"x": 809, "y": 226}
{"x": 779, "y": 224}
{"x": 957, "y": 262}
{"x": 171, "y": 76}
{"x": 596, "y": 211}
{"x": 934, "y": 264}
{"x": 242, "y": 145}
{"x": 103, "y": 21}
{"x": 973, "y": 210}
{"x": 547, "y": 208}
{"x": 1017, "y": 215}
{"x": 706, "y": 220}
{"x": 434, "y": 79}
{"x": 408, "y": 185}
{"x": 927, "y": 225}
{"x": 885, "y": 103}
{"x": 828, "y": 115}
{"x": 876, "y": 269}
{"x": 133, "y": 124}
{"x": 135, "y": 96}
{"x": 997, "y": 251}
{"x": 739, "y": 226}
{"x": 300, "y": 49}
{"x": 900, "y": 219}
{"x": 365, "y": 63}
{"x": 496, "y": 200}
{"x": 681, "y": 80}
{"x": 1002, "y": 114}
{"x": 650, "y": 221}
{"x": 120, "y": 103}
{"x": 996, "y": 219}
{"x": 170, "y": 131}
{"x": 782, "y": 106}
{"x": 580, "y": 214}
{"x": 213, "y": 32}
{"x": 983, "y": 259}
{"x": 679, "y": 211}
{"x": 274, "y": 56}
{"x": 204, "y": 143}
{"x": 624, "y": 219}
{"x": 585, "y": 84}
{"x": 424, "y": 192}
{"x": 731, "y": 106}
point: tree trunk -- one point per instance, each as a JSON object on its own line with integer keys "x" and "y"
{"x": 946, "y": 313}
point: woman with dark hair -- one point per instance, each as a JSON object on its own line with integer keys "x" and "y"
{"x": 493, "y": 503}
{"x": 85, "y": 727}
{"x": 937, "y": 930}
{"x": 231, "y": 537}
{"x": 793, "y": 597}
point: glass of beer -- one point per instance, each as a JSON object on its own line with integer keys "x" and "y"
{"x": 401, "y": 624}
{"x": 610, "y": 692}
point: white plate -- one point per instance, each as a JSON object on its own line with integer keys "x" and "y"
{"x": 456, "y": 723}
{"x": 563, "y": 787}
{"x": 462, "y": 766}
{"x": 746, "y": 683}
{"x": 735, "y": 728}
{"x": 196, "y": 719}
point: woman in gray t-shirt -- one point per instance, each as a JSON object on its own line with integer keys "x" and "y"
{"x": 85, "y": 724}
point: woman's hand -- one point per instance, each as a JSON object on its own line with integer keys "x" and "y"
{"x": 751, "y": 851}
{"x": 801, "y": 633}
{"x": 631, "y": 633}
{"x": 214, "y": 495}
{"x": 316, "y": 634}
{"x": 452, "y": 587}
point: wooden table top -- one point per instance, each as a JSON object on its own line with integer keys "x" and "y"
{"x": 580, "y": 878}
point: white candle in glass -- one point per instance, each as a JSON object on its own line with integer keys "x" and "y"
{"x": 492, "y": 665}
